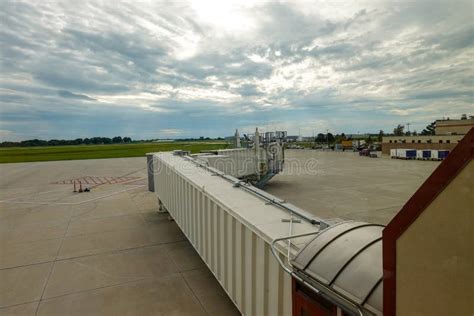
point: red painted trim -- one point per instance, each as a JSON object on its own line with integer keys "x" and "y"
{"x": 306, "y": 302}
{"x": 429, "y": 190}
{"x": 294, "y": 297}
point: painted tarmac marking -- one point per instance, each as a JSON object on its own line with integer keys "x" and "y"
{"x": 76, "y": 203}
{"x": 95, "y": 180}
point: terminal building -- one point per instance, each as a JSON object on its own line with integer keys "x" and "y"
{"x": 448, "y": 133}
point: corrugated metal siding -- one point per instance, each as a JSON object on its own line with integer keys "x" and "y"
{"x": 244, "y": 161}
{"x": 240, "y": 260}
{"x": 232, "y": 164}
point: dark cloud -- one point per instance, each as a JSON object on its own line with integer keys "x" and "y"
{"x": 283, "y": 24}
{"x": 249, "y": 90}
{"x": 172, "y": 65}
{"x": 77, "y": 81}
{"x": 70, "y": 95}
{"x": 461, "y": 39}
{"x": 442, "y": 94}
{"x": 12, "y": 98}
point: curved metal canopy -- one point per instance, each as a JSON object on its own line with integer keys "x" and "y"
{"x": 347, "y": 259}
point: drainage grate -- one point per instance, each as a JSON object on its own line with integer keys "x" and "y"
{"x": 92, "y": 180}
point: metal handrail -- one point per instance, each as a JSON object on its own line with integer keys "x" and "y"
{"x": 273, "y": 249}
{"x": 240, "y": 184}
{"x": 326, "y": 291}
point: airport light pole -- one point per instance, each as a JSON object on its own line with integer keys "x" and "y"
{"x": 327, "y": 137}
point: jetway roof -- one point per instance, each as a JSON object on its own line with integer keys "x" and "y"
{"x": 263, "y": 217}
{"x": 347, "y": 258}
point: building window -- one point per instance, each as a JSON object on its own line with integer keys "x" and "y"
{"x": 440, "y": 141}
{"x": 395, "y": 141}
{"x": 413, "y": 141}
{"x": 448, "y": 141}
{"x": 419, "y": 141}
{"x": 390, "y": 141}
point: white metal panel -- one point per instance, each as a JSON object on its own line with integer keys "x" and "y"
{"x": 401, "y": 153}
{"x": 232, "y": 241}
{"x": 419, "y": 154}
{"x": 438, "y": 154}
{"x": 242, "y": 162}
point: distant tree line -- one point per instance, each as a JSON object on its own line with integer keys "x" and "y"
{"x": 399, "y": 130}
{"x": 325, "y": 138}
{"x": 63, "y": 142}
{"x": 428, "y": 130}
{"x": 201, "y": 138}
{"x": 338, "y": 138}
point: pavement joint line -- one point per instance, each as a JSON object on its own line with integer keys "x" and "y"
{"x": 137, "y": 208}
{"x": 132, "y": 172}
{"x": 27, "y": 242}
{"x": 102, "y": 287}
{"x": 99, "y": 254}
{"x": 142, "y": 280}
{"x": 186, "y": 281}
{"x": 110, "y": 231}
{"x": 75, "y": 218}
{"x": 76, "y": 203}
{"x": 35, "y": 194}
{"x": 120, "y": 250}
{"x": 92, "y": 210}
{"x": 26, "y": 265}
{"x": 54, "y": 262}
{"x": 14, "y": 305}
{"x": 190, "y": 269}
{"x": 194, "y": 294}
{"x": 377, "y": 209}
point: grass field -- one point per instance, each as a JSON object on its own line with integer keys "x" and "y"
{"x": 29, "y": 154}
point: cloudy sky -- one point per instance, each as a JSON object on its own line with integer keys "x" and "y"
{"x": 149, "y": 69}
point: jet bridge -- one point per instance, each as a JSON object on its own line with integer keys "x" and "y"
{"x": 258, "y": 163}
{"x": 249, "y": 239}
{"x": 273, "y": 258}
